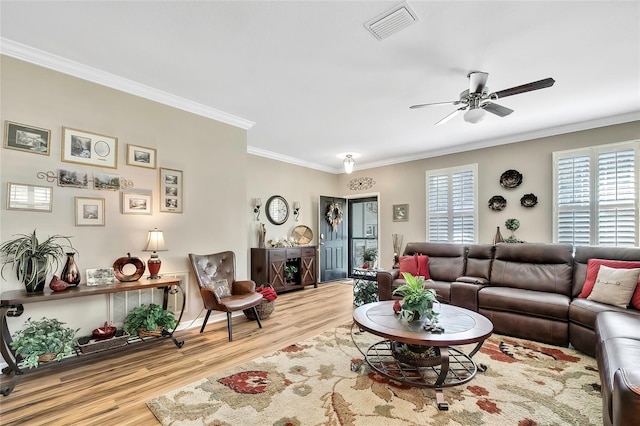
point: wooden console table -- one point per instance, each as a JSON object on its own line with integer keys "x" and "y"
{"x": 268, "y": 266}
{"x": 12, "y": 305}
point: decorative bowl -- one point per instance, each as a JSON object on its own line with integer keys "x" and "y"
{"x": 103, "y": 333}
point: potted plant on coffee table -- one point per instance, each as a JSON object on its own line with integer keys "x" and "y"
{"x": 417, "y": 301}
{"x": 32, "y": 259}
{"x": 43, "y": 341}
{"x": 149, "y": 320}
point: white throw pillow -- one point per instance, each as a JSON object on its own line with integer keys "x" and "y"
{"x": 615, "y": 286}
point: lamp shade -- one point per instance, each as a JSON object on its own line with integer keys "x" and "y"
{"x": 348, "y": 163}
{"x": 155, "y": 241}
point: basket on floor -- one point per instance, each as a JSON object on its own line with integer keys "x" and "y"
{"x": 150, "y": 333}
{"x": 265, "y": 308}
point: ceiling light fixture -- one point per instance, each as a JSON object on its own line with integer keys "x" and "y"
{"x": 474, "y": 115}
{"x": 348, "y": 162}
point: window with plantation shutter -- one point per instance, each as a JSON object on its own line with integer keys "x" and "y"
{"x": 596, "y": 196}
{"x": 452, "y": 204}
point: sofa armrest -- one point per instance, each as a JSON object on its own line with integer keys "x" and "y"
{"x": 465, "y": 294}
{"x": 626, "y": 396}
{"x": 385, "y": 283}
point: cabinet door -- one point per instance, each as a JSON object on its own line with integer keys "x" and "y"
{"x": 277, "y": 261}
{"x": 308, "y": 267}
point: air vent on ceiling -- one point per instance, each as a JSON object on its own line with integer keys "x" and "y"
{"x": 392, "y": 21}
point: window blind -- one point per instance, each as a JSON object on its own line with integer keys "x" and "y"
{"x": 451, "y": 204}
{"x": 596, "y": 199}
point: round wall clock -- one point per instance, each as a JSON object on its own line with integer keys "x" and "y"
{"x": 277, "y": 210}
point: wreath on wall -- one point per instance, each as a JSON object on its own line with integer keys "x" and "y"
{"x": 334, "y": 215}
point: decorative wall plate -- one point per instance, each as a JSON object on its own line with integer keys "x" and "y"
{"x": 302, "y": 234}
{"x": 511, "y": 179}
{"x": 528, "y": 200}
{"x": 497, "y": 203}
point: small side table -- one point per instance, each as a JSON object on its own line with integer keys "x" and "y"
{"x": 365, "y": 286}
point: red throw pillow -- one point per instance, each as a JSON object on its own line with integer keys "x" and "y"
{"x": 593, "y": 267}
{"x": 416, "y": 265}
{"x": 423, "y": 266}
{"x": 409, "y": 265}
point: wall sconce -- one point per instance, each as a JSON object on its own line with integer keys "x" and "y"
{"x": 296, "y": 209}
{"x": 257, "y": 203}
{"x": 155, "y": 243}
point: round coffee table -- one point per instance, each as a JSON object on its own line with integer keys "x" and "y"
{"x": 461, "y": 327}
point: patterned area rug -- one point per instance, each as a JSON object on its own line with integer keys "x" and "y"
{"x": 312, "y": 383}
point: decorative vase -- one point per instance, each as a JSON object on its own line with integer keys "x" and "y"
{"x": 70, "y": 273}
{"x": 498, "y": 237}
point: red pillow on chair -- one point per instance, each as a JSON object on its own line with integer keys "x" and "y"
{"x": 416, "y": 265}
{"x": 593, "y": 267}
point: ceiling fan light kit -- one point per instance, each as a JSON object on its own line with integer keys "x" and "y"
{"x": 477, "y": 99}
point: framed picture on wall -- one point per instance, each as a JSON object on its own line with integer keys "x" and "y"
{"x": 134, "y": 203}
{"x": 89, "y": 211}
{"x": 73, "y": 179}
{"x": 90, "y": 149}
{"x": 171, "y": 190}
{"x": 26, "y": 138}
{"x": 400, "y": 212}
{"x": 141, "y": 156}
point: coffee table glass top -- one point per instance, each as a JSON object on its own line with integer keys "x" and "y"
{"x": 460, "y": 325}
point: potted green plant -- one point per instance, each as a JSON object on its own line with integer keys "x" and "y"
{"x": 417, "y": 301}
{"x": 512, "y": 225}
{"x": 32, "y": 259}
{"x": 148, "y": 320}
{"x": 290, "y": 272}
{"x": 369, "y": 257}
{"x": 42, "y": 341}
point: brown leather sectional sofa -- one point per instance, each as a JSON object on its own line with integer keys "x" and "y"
{"x": 531, "y": 291}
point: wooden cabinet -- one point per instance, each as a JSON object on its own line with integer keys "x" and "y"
{"x": 286, "y": 268}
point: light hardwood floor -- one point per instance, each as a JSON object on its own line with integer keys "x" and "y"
{"x": 112, "y": 390}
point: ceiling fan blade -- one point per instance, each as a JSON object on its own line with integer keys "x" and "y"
{"x": 435, "y": 103}
{"x": 536, "y": 85}
{"x": 497, "y": 109}
{"x": 450, "y": 116}
{"x": 477, "y": 81}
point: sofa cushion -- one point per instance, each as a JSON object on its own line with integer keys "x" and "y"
{"x": 593, "y": 266}
{"x": 584, "y": 253}
{"x": 533, "y": 266}
{"x": 615, "y": 286}
{"x": 584, "y": 311}
{"x": 525, "y": 302}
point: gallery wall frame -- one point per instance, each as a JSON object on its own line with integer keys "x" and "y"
{"x": 22, "y": 196}
{"x": 141, "y": 156}
{"x": 89, "y": 211}
{"x": 26, "y": 138}
{"x": 136, "y": 203}
{"x": 73, "y": 179}
{"x": 90, "y": 149}
{"x": 400, "y": 212}
{"x": 171, "y": 185}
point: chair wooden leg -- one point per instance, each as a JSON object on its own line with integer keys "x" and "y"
{"x": 206, "y": 318}
{"x": 255, "y": 312}
{"x": 229, "y": 326}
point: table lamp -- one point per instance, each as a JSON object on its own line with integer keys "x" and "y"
{"x": 155, "y": 243}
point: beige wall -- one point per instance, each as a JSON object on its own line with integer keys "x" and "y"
{"x": 405, "y": 184}
{"x": 266, "y": 177}
{"x": 211, "y": 154}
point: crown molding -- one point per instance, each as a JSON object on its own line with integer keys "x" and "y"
{"x": 57, "y": 63}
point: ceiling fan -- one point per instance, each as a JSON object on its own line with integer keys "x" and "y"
{"x": 477, "y": 99}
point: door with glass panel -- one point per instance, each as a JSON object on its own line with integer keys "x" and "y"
{"x": 363, "y": 233}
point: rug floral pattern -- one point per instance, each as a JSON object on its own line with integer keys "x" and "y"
{"x": 312, "y": 383}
